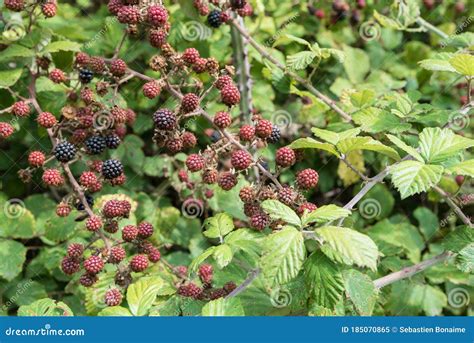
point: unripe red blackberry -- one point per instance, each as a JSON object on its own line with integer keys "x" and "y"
{"x": 238, "y": 4}
{"x": 460, "y": 180}
{"x": 119, "y": 114}
{"x": 15, "y": 5}
{"x": 205, "y": 273}
{"x": 118, "y": 67}
{"x": 113, "y": 297}
{"x": 183, "y": 176}
{"x": 459, "y": 7}
{"x": 306, "y": 206}
{"x": 241, "y": 159}
{"x": 111, "y": 169}
{"x": 319, "y": 13}
{"x": 287, "y": 195}
{"x": 285, "y": 157}
{"x": 361, "y": 4}
{"x": 119, "y": 180}
{"x": 113, "y": 209}
{"x": 190, "y": 290}
{"x": 139, "y": 263}
{"x": 190, "y": 55}
{"x": 225, "y": 17}
{"x": 158, "y": 38}
{"x": 227, "y": 181}
{"x": 145, "y": 230}
{"x": 36, "y": 158}
{"x": 247, "y": 194}
{"x": 190, "y": 102}
{"x": 307, "y": 179}
{"x": 154, "y": 255}
{"x": 114, "y": 6}
{"x": 247, "y": 11}
{"x": 189, "y": 140}
{"x": 57, "y": 76}
{"x": 131, "y": 116}
{"x": 251, "y": 209}
{"x": 223, "y": 81}
{"x": 87, "y": 280}
{"x": 209, "y": 176}
{"x": 49, "y": 9}
{"x": 128, "y": 15}
{"x": 157, "y": 15}
{"x": 200, "y": 66}
{"x": 174, "y": 145}
{"x": 70, "y": 265}
{"x": 264, "y": 128}
{"x": 21, "y": 109}
{"x": 63, "y": 210}
{"x": 111, "y": 226}
{"x": 212, "y": 65}
{"x": 93, "y": 264}
{"x": 87, "y": 95}
{"x": 229, "y": 287}
{"x": 259, "y": 221}
{"x": 181, "y": 270}
{"x": 151, "y": 89}
{"x": 129, "y": 233}
{"x": 6, "y": 130}
{"x": 87, "y": 179}
{"x": 230, "y": 95}
{"x": 217, "y": 293}
{"x": 165, "y": 119}
{"x": 222, "y": 119}
{"x": 117, "y": 254}
{"x": 52, "y": 177}
{"x": 75, "y": 250}
{"x": 247, "y": 133}
{"x": 93, "y": 223}
{"x": 195, "y": 162}
{"x": 126, "y": 207}
{"x": 82, "y": 58}
{"x": 208, "y": 193}
{"x": 97, "y": 64}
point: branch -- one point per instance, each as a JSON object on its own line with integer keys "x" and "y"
{"x": 410, "y": 271}
{"x": 465, "y": 219}
{"x": 427, "y": 26}
{"x": 250, "y": 278}
{"x": 307, "y": 84}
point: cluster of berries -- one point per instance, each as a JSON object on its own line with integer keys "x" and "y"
{"x": 48, "y": 7}
{"x": 218, "y": 13}
{"x": 205, "y": 291}
{"x": 340, "y": 10}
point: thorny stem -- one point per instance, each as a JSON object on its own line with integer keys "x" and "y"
{"x": 250, "y": 278}
{"x": 465, "y": 219}
{"x": 422, "y": 22}
{"x": 354, "y": 169}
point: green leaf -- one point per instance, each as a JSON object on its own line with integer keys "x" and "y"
{"x": 58, "y": 229}
{"x": 15, "y": 50}
{"x": 142, "y": 294}
{"x": 348, "y": 246}
{"x": 218, "y": 226}
{"x": 12, "y": 257}
{"x": 25, "y": 292}
{"x": 408, "y": 149}
{"x": 356, "y": 64}
{"x": 375, "y": 120}
{"x": 427, "y": 220}
{"x": 366, "y": 143}
{"x": 45, "y": 308}
{"x": 328, "y": 136}
{"x": 325, "y": 213}
{"x": 114, "y": 311}
{"x": 246, "y": 240}
{"x": 9, "y": 77}
{"x": 465, "y": 168}
{"x": 323, "y": 280}
{"x": 439, "y": 62}
{"x": 362, "y": 98}
{"x": 430, "y": 299}
{"x": 458, "y": 239}
{"x": 64, "y": 45}
{"x": 201, "y": 258}
{"x": 463, "y": 63}
{"x": 361, "y": 290}
{"x": 465, "y": 259}
{"x": 16, "y": 221}
{"x": 278, "y": 210}
{"x": 223, "y": 255}
{"x": 412, "y": 177}
{"x": 310, "y": 143}
{"x": 300, "y": 60}
{"x": 437, "y": 145}
{"x": 223, "y": 307}
{"x": 283, "y": 255}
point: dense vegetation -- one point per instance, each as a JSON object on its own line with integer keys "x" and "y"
{"x": 236, "y": 157}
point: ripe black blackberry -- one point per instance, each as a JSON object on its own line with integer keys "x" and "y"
{"x": 95, "y": 145}
{"x": 80, "y": 205}
{"x": 214, "y": 18}
{"x": 65, "y": 152}
{"x": 85, "y": 75}
{"x": 275, "y": 136}
{"x": 112, "y": 169}
{"x": 164, "y": 119}
{"x": 112, "y": 141}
